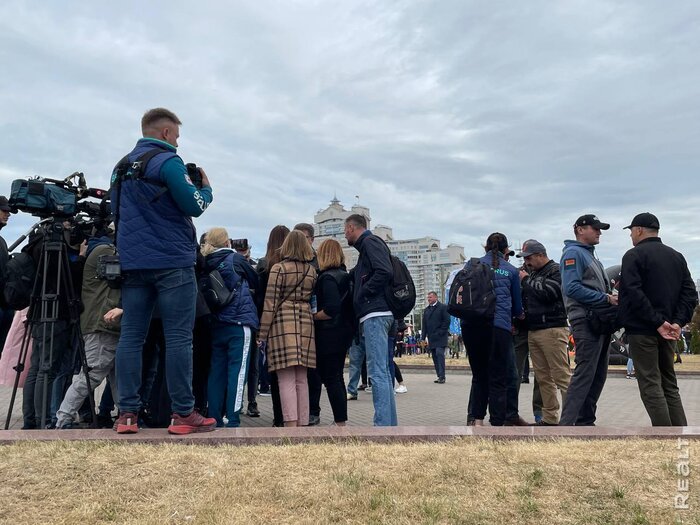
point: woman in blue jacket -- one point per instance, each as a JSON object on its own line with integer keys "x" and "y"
{"x": 230, "y": 333}
{"x": 489, "y": 343}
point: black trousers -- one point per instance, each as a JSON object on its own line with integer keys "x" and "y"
{"x": 201, "y": 361}
{"x": 589, "y": 376}
{"x": 253, "y": 372}
{"x": 330, "y": 369}
{"x": 478, "y": 340}
{"x": 314, "y": 381}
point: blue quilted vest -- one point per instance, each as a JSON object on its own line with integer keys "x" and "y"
{"x": 152, "y": 232}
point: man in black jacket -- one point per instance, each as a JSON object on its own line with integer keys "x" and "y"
{"x": 548, "y": 334}
{"x": 657, "y": 297}
{"x": 371, "y": 276}
{"x": 436, "y": 323}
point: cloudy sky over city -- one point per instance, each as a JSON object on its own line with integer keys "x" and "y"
{"x": 452, "y": 119}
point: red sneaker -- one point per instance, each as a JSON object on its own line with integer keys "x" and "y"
{"x": 195, "y": 422}
{"x": 127, "y": 423}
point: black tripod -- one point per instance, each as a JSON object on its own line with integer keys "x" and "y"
{"x": 44, "y": 312}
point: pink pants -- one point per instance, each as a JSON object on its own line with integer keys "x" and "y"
{"x": 294, "y": 394}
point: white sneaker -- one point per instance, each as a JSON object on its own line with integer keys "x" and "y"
{"x": 401, "y": 389}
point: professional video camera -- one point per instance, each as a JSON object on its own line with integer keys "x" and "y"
{"x": 44, "y": 197}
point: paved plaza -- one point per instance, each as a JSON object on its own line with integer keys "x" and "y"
{"x": 430, "y": 404}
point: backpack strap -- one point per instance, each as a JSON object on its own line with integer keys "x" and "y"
{"x": 136, "y": 170}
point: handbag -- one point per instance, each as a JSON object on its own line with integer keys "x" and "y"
{"x": 604, "y": 320}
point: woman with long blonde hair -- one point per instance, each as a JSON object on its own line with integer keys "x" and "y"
{"x": 230, "y": 333}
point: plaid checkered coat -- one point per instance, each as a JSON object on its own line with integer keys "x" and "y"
{"x": 287, "y": 324}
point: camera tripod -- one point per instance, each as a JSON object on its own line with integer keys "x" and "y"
{"x": 46, "y": 299}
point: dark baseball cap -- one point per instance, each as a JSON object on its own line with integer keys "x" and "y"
{"x": 591, "y": 220}
{"x": 4, "y": 205}
{"x": 645, "y": 220}
{"x": 531, "y": 247}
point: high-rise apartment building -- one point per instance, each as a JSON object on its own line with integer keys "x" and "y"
{"x": 428, "y": 263}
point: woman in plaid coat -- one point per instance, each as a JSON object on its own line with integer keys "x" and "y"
{"x": 287, "y": 326}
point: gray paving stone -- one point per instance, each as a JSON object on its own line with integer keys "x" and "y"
{"x": 430, "y": 404}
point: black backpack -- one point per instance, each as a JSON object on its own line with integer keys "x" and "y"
{"x": 20, "y": 272}
{"x": 216, "y": 294}
{"x": 401, "y": 292}
{"x": 472, "y": 294}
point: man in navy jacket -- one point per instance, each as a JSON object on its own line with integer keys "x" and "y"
{"x": 372, "y": 275}
{"x": 436, "y": 325}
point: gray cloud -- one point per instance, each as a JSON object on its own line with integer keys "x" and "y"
{"x": 452, "y": 119}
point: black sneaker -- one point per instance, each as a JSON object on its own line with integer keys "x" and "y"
{"x": 314, "y": 420}
{"x": 252, "y": 411}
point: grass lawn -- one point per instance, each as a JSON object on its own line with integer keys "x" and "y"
{"x": 690, "y": 362}
{"x": 461, "y": 482}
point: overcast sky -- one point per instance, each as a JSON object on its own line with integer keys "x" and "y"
{"x": 452, "y": 119}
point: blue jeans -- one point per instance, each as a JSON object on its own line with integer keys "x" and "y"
{"x": 174, "y": 291}
{"x": 356, "y": 355}
{"x": 230, "y": 352}
{"x": 374, "y": 334}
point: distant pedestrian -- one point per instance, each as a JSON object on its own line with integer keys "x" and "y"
{"x": 657, "y": 297}
{"x": 436, "y": 326}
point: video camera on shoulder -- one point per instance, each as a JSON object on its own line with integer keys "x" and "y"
{"x": 194, "y": 174}
{"x": 58, "y": 198}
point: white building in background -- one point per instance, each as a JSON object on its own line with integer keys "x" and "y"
{"x": 428, "y": 263}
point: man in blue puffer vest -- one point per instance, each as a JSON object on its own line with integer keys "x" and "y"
{"x": 157, "y": 246}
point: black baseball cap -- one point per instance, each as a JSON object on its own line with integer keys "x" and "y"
{"x": 645, "y": 220}
{"x": 531, "y": 247}
{"x": 4, "y": 205}
{"x": 591, "y": 220}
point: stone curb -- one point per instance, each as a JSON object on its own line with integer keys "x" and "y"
{"x": 344, "y": 435}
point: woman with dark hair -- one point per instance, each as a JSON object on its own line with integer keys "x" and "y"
{"x": 272, "y": 256}
{"x": 490, "y": 344}
{"x": 334, "y": 322}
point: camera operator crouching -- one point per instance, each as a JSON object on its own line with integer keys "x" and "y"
{"x": 154, "y": 200}
{"x": 99, "y": 324}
